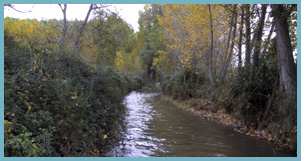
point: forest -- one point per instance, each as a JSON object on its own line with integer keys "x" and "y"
{"x": 65, "y": 80}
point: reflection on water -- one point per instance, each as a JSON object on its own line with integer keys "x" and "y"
{"x": 138, "y": 139}
{"x": 165, "y": 130}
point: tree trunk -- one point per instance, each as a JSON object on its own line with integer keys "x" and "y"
{"x": 230, "y": 50}
{"x": 284, "y": 51}
{"x": 247, "y": 36}
{"x": 240, "y": 39}
{"x": 78, "y": 38}
{"x": 63, "y": 38}
{"x": 211, "y": 78}
{"x": 287, "y": 68}
{"x": 258, "y": 35}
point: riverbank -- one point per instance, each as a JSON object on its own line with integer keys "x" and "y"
{"x": 206, "y": 110}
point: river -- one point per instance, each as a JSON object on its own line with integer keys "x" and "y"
{"x": 165, "y": 130}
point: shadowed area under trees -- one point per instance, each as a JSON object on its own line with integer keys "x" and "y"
{"x": 65, "y": 80}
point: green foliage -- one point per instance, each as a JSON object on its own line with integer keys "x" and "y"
{"x": 21, "y": 144}
{"x": 56, "y": 105}
{"x": 110, "y": 34}
{"x": 185, "y": 84}
{"x": 153, "y": 41}
{"x": 256, "y": 90}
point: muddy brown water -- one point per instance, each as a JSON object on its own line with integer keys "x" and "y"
{"x": 165, "y": 130}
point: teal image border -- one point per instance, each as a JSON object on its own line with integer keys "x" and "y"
{"x": 298, "y": 157}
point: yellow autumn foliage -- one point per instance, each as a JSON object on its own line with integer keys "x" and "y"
{"x": 31, "y": 33}
{"x": 187, "y": 29}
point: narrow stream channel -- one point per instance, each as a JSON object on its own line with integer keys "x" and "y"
{"x": 165, "y": 130}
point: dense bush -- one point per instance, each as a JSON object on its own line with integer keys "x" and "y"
{"x": 59, "y": 106}
{"x": 253, "y": 91}
{"x": 185, "y": 85}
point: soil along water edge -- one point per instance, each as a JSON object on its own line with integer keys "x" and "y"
{"x": 155, "y": 127}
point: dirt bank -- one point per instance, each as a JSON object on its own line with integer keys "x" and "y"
{"x": 207, "y": 110}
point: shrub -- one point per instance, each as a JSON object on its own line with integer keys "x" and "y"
{"x": 61, "y": 107}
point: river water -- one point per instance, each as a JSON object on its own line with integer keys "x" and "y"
{"x": 165, "y": 130}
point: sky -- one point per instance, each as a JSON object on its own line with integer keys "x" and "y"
{"x": 129, "y": 12}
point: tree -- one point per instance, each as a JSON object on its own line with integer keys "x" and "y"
{"x": 230, "y": 42}
{"x": 284, "y": 50}
{"x": 191, "y": 38}
{"x": 81, "y": 30}
{"x": 111, "y": 34}
{"x": 211, "y": 48}
{"x": 92, "y": 7}
{"x": 240, "y": 38}
{"x": 247, "y": 36}
{"x": 287, "y": 68}
{"x": 258, "y": 35}
{"x": 64, "y": 32}
{"x": 153, "y": 40}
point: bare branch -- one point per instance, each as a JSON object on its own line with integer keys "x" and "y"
{"x": 99, "y": 6}
{"x": 13, "y": 7}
